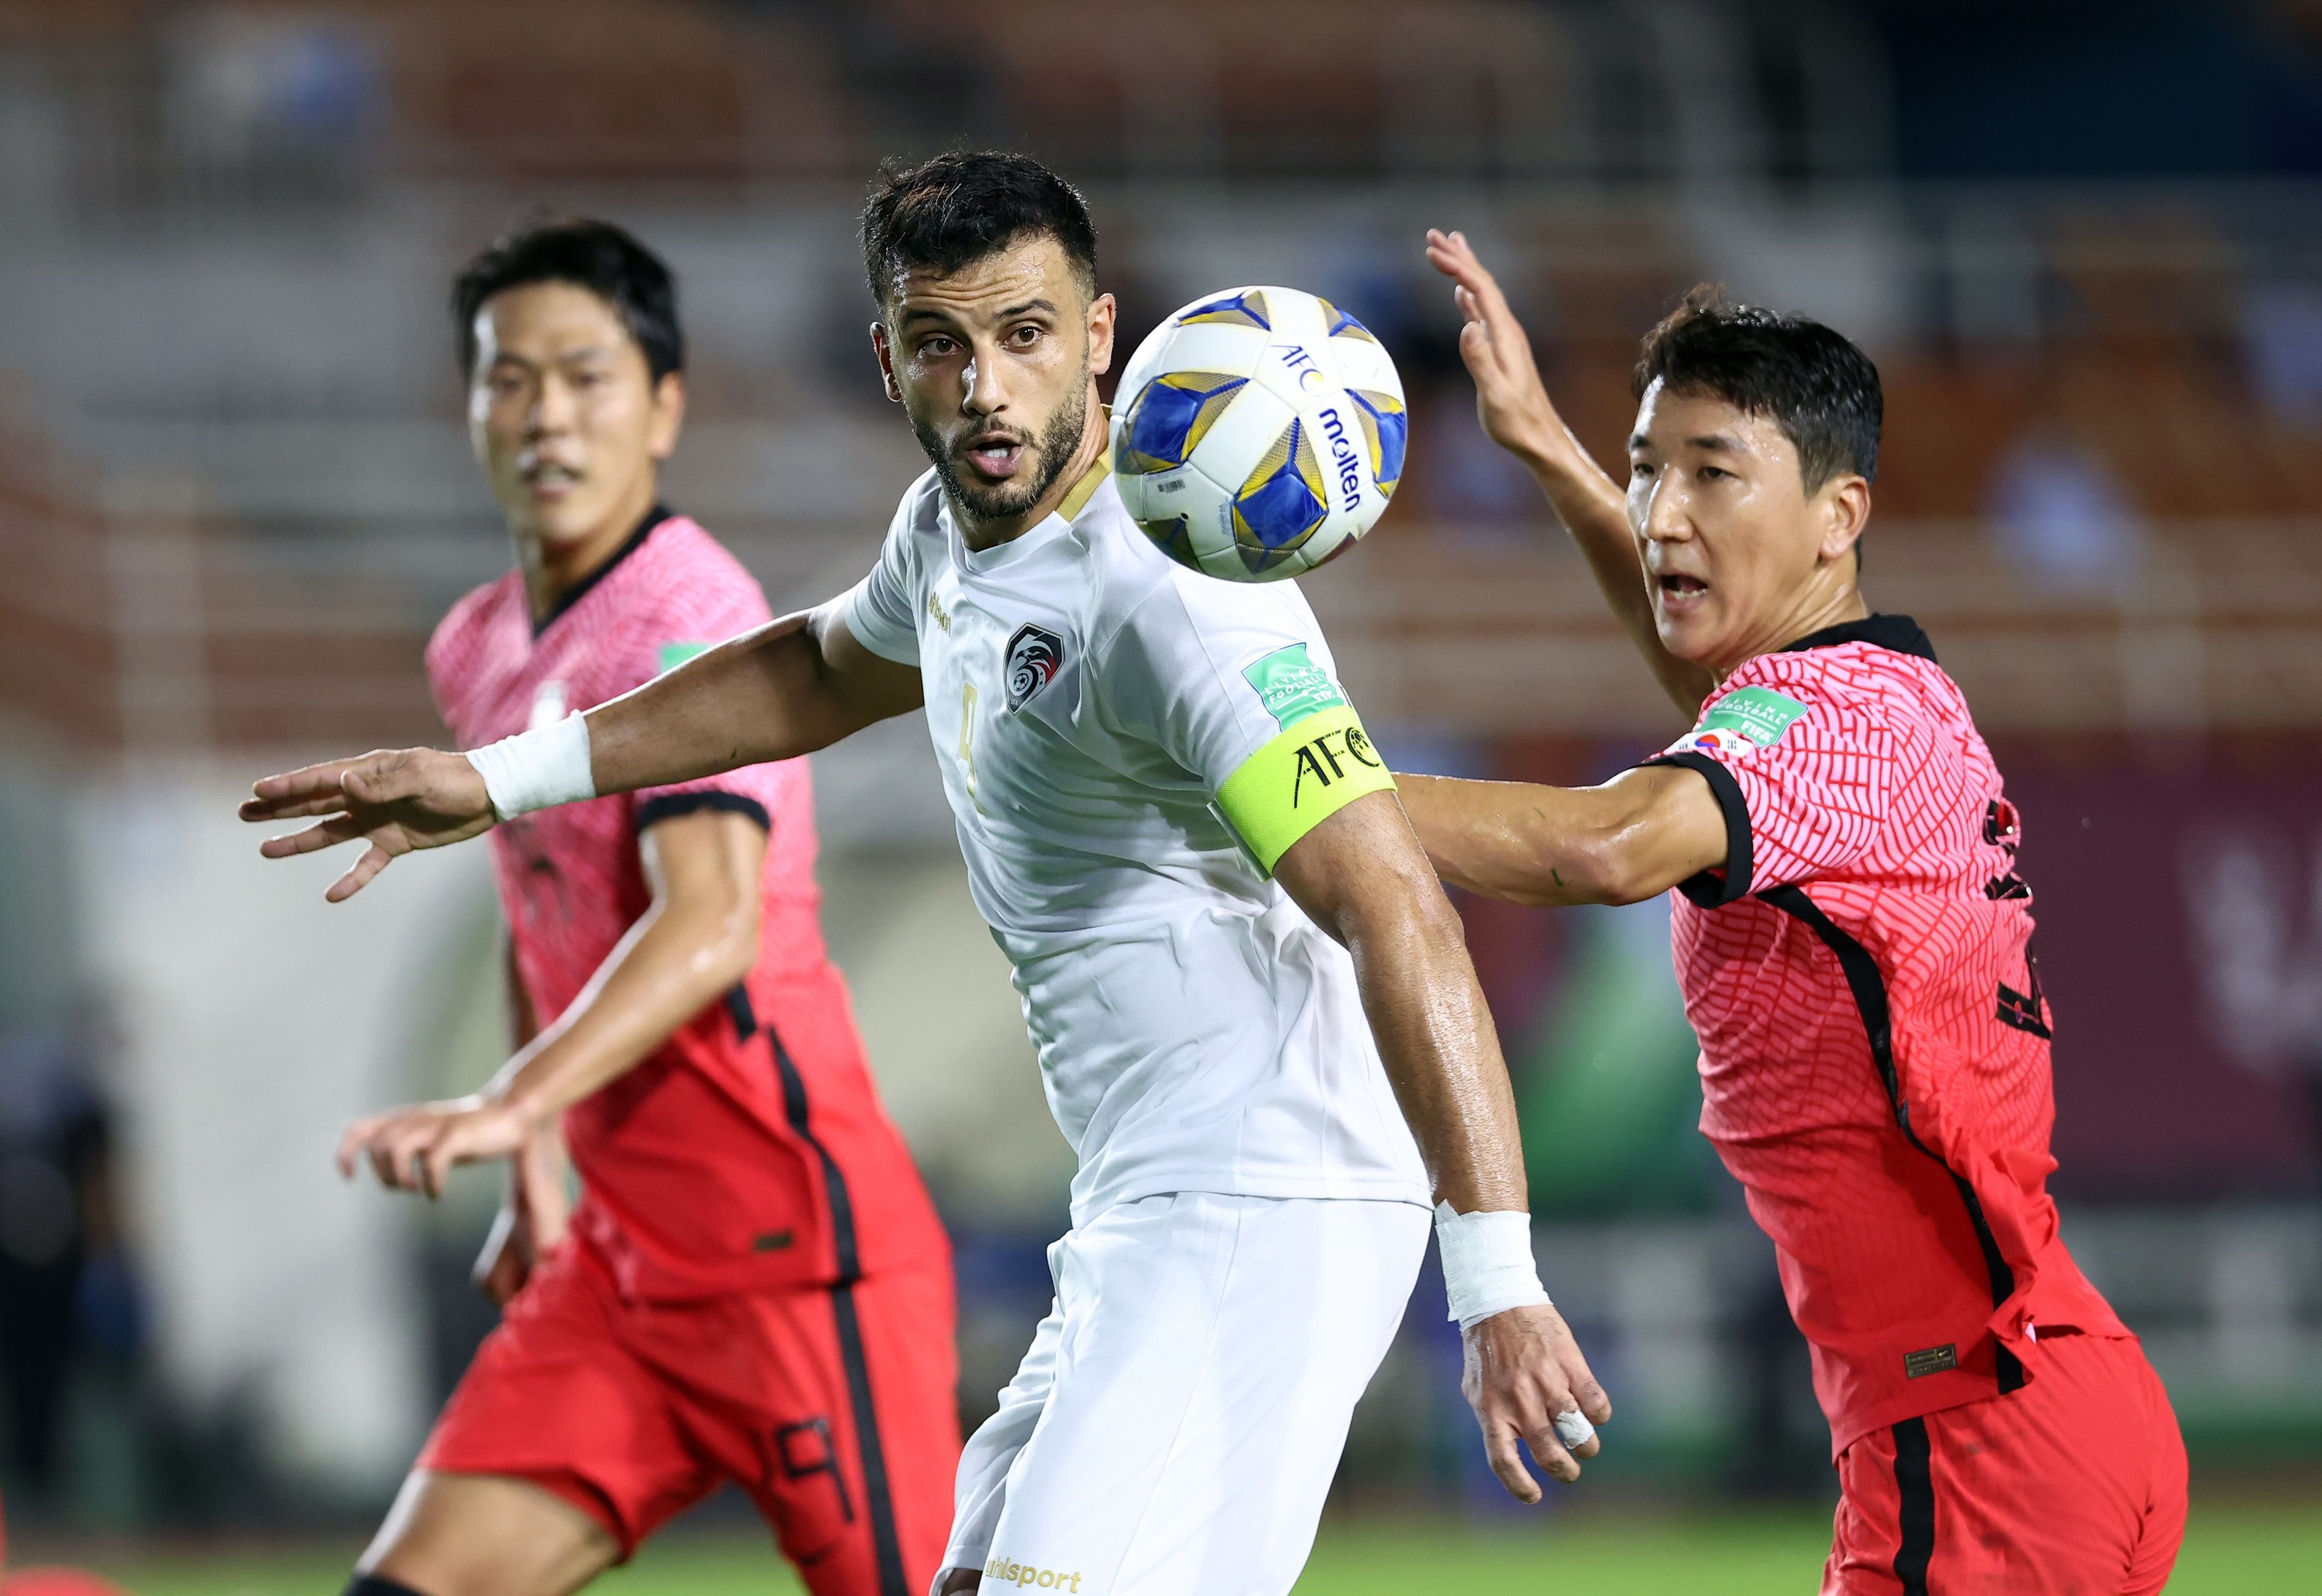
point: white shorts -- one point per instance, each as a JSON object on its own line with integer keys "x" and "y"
{"x": 1177, "y": 1422}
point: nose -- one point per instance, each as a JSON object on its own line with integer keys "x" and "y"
{"x": 985, "y": 394}
{"x": 1667, "y": 517}
{"x": 552, "y": 407}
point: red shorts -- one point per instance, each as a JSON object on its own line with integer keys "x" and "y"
{"x": 2074, "y": 1482}
{"x": 834, "y": 1407}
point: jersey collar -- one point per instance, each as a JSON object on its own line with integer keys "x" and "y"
{"x": 654, "y": 517}
{"x": 1085, "y": 489}
{"x": 1899, "y": 632}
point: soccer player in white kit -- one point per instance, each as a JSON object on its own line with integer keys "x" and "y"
{"x": 1256, "y": 1017}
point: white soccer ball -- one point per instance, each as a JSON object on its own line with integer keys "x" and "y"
{"x": 1258, "y": 432}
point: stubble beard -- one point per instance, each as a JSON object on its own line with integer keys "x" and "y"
{"x": 1055, "y": 449}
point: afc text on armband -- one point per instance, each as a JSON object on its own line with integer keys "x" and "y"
{"x": 1326, "y": 765}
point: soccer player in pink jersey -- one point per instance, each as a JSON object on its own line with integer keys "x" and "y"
{"x": 754, "y": 1285}
{"x": 1853, "y": 941}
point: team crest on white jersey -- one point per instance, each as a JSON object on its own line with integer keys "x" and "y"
{"x": 1035, "y": 655}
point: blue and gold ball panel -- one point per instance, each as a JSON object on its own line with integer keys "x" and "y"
{"x": 1282, "y": 501}
{"x": 1244, "y": 309}
{"x": 1386, "y": 428}
{"x": 1170, "y": 417}
{"x": 1338, "y": 323}
{"x": 1173, "y": 538}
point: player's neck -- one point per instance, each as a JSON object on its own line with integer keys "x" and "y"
{"x": 1816, "y": 609}
{"x": 981, "y": 534}
{"x": 552, "y": 569}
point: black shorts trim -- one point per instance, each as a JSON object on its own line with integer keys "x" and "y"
{"x": 1706, "y": 889}
{"x": 669, "y": 805}
{"x": 1915, "y": 1510}
{"x": 886, "y": 1545}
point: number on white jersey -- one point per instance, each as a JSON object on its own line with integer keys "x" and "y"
{"x": 967, "y": 741}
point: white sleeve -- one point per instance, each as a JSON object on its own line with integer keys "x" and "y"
{"x": 1235, "y": 683}
{"x": 1214, "y": 670}
{"x": 883, "y": 609}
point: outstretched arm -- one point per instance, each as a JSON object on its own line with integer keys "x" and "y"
{"x": 1360, "y": 876}
{"x": 696, "y": 939}
{"x": 789, "y": 688}
{"x": 1633, "y": 838}
{"x": 1513, "y": 406}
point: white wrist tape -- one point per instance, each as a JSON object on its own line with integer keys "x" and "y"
{"x": 537, "y": 770}
{"x": 1487, "y": 1263}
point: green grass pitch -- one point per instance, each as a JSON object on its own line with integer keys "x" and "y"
{"x": 2229, "y": 1551}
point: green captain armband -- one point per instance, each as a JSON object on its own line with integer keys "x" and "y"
{"x": 1309, "y": 773}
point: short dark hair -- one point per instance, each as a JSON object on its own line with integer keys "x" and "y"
{"x": 1812, "y": 383}
{"x": 946, "y": 213}
{"x": 588, "y": 253}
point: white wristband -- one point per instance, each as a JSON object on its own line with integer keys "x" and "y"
{"x": 1487, "y": 1263}
{"x": 537, "y": 770}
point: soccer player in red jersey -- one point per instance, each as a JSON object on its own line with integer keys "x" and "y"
{"x": 1853, "y": 941}
{"x": 754, "y": 1286}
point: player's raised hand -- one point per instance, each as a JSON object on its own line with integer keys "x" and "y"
{"x": 1510, "y": 400}
{"x": 413, "y": 1149}
{"x": 1525, "y": 1379}
{"x": 398, "y": 800}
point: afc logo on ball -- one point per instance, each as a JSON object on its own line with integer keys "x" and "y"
{"x": 1309, "y": 375}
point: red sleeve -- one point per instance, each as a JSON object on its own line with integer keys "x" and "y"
{"x": 1807, "y": 780}
{"x": 693, "y": 615}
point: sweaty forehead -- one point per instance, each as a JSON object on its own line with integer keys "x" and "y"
{"x": 1003, "y": 281}
{"x": 1675, "y": 418}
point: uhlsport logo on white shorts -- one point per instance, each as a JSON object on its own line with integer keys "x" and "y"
{"x": 1024, "y": 1574}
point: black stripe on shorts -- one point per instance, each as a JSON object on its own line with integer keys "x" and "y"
{"x": 885, "y": 1544}
{"x": 1914, "y": 1511}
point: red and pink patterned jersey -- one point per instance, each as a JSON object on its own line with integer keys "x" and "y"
{"x": 751, "y": 1151}
{"x": 1874, "y": 1043}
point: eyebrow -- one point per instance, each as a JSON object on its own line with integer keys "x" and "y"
{"x": 587, "y": 352}
{"x": 1715, "y": 442}
{"x": 927, "y": 312}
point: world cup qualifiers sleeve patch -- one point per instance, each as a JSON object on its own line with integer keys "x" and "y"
{"x": 1740, "y": 723}
{"x": 673, "y": 654}
{"x": 1300, "y": 779}
{"x": 1292, "y": 687}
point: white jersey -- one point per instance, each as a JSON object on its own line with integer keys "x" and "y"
{"x": 1089, "y": 699}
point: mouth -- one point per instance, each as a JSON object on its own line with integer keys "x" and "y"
{"x": 1678, "y": 590}
{"x": 549, "y": 478}
{"x": 995, "y": 455}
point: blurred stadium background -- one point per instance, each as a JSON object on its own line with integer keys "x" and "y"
{"x": 2083, "y": 240}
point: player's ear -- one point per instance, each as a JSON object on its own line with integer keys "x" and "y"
{"x": 669, "y": 414}
{"x": 886, "y": 353}
{"x": 1102, "y": 318}
{"x": 1844, "y": 509}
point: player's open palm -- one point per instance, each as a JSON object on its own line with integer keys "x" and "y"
{"x": 1510, "y": 400}
{"x": 397, "y": 801}
{"x": 1526, "y": 1380}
